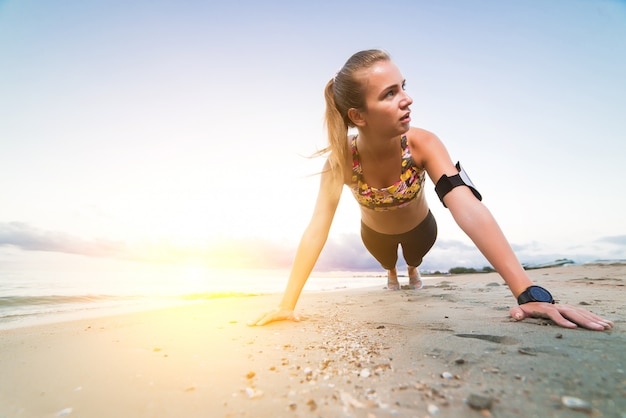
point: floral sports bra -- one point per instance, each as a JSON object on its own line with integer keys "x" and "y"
{"x": 399, "y": 194}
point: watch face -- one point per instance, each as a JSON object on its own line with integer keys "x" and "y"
{"x": 539, "y": 294}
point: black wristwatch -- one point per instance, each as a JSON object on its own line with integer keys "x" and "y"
{"x": 534, "y": 294}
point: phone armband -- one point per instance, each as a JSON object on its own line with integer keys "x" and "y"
{"x": 446, "y": 183}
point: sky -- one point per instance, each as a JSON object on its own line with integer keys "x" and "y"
{"x": 180, "y": 131}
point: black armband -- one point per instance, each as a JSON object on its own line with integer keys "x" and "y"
{"x": 446, "y": 184}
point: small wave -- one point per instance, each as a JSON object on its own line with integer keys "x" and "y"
{"x": 19, "y": 301}
{"x": 19, "y": 308}
{"x": 217, "y": 295}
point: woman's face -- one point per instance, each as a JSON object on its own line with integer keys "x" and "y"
{"x": 387, "y": 103}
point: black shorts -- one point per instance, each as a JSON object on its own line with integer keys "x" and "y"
{"x": 415, "y": 243}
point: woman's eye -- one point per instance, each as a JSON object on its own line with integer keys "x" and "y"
{"x": 389, "y": 93}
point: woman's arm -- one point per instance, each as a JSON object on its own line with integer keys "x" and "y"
{"x": 480, "y": 226}
{"x": 311, "y": 245}
{"x": 477, "y": 222}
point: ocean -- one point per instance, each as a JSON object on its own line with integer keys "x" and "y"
{"x": 54, "y": 287}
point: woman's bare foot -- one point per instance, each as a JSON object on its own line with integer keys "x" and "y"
{"x": 392, "y": 280}
{"x": 415, "y": 281}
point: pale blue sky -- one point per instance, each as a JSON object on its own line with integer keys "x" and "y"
{"x": 169, "y": 128}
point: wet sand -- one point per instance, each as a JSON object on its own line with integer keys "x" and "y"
{"x": 448, "y": 350}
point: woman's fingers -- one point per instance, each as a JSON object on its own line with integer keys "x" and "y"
{"x": 566, "y": 316}
{"x": 274, "y": 315}
{"x": 584, "y": 318}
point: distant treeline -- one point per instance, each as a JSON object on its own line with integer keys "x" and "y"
{"x": 470, "y": 270}
{"x": 466, "y": 270}
{"x": 489, "y": 269}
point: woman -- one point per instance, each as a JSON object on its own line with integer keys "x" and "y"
{"x": 368, "y": 94}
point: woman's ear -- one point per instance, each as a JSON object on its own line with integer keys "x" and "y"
{"x": 356, "y": 116}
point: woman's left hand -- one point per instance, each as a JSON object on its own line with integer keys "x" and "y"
{"x": 278, "y": 314}
{"x": 566, "y": 316}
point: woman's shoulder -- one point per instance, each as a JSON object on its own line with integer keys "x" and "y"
{"x": 424, "y": 145}
{"x": 420, "y": 134}
{"x": 419, "y": 138}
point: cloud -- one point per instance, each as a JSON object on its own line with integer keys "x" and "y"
{"x": 344, "y": 252}
{"x": 619, "y": 240}
{"x": 347, "y": 252}
{"x": 28, "y": 238}
{"x": 223, "y": 253}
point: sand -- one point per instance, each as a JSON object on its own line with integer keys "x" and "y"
{"x": 448, "y": 350}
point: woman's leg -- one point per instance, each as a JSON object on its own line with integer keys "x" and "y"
{"x": 384, "y": 248}
{"x": 415, "y": 244}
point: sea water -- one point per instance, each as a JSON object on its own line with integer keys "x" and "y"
{"x": 47, "y": 287}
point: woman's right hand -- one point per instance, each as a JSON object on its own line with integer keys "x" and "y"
{"x": 278, "y": 314}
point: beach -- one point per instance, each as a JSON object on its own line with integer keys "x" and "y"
{"x": 447, "y": 350}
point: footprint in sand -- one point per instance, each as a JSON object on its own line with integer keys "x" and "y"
{"x": 491, "y": 338}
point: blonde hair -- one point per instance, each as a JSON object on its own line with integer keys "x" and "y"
{"x": 345, "y": 91}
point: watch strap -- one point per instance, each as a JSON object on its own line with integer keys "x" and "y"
{"x": 526, "y": 296}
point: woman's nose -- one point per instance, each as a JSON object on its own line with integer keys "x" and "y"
{"x": 406, "y": 100}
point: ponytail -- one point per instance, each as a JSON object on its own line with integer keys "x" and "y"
{"x": 337, "y": 131}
